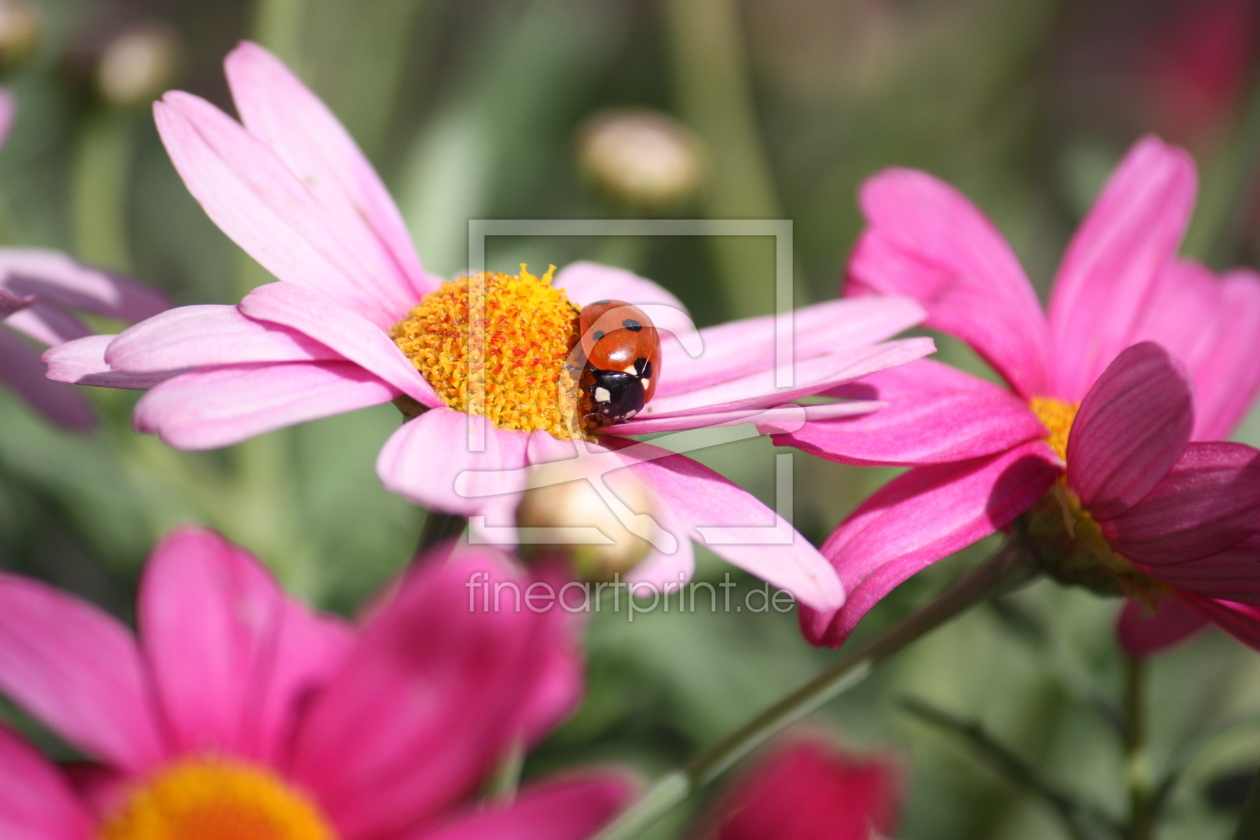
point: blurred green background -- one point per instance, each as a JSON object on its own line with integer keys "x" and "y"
{"x": 476, "y": 109}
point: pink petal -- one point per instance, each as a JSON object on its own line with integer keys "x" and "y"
{"x": 256, "y": 200}
{"x": 283, "y": 113}
{"x": 423, "y": 460}
{"x": 1143, "y": 633}
{"x": 36, "y": 803}
{"x": 431, "y": 697}
{"x": 48, "y": 324}
{"x": 10, "y": 303}
{"x": 934, "y": 413}
{"x": 1109, "y": 275}
{"x": 768, "y": 420}
{"x": 200, "y": 336}
{"x": 1132, "y": 427}
{"x": 732, "y": 523}
{"x": 922, "y": 517}
{"x": 555, "y": 809}
{"x": 355, "y": 338}
{"x": 1226, "y": 387}
{"x": 740, "y": 348}
{"x": 56, "y": 278}
{"x": 8, "y": 111}
{"x": 586, "y": 282}
{"x": 211, "y": 621}
{"x": 22, "y": 371}
{"x": 82, "y": 362}
{"x": 928, "y": 241}
{"x": 808, "y": 377}
{"x": 1232, "y": 574}
{"x": 1208, "y": 502}
{"x": 76, "y": 669}
{"x": 206, "y": 409}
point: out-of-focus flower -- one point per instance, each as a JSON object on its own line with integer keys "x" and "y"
{"x": 137, "y": 65}
{"x": 239, "y": 713}
{"x": 642, "y": 158}
{"x": 20, "y": 32}
{"x": 1112, "y": 445}
{"x": 356, "y": 322}
{"x": 808, "y": 789}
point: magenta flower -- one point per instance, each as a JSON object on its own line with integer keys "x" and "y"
{"x": 356, "y": 322}
{"x": 239, "y": 714}
{"x": 807, "y": 789}
{"x": 38, "y": 291}
{"x": 1105, "y": 426}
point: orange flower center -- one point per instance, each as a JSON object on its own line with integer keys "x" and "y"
{"x": 216, "y": 799}
{"x": 1057, "y": 416}
{"x": 497, "y": 345}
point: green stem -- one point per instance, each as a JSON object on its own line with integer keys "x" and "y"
{"x": 438, "y": 528}
{"x": 1249, "y": 825}
{"x": 1136, "y": 760}
{"x": 1008, "y": 567}
{"x": 101, "y": 166}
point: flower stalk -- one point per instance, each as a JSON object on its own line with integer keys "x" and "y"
{"x": 1136, "y": 759}
{"x": 1011, "y": 566}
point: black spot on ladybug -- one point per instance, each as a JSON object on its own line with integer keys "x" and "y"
{"x": 601, "y": 303}
{"x": 632, "y": 325}
{"x": 597, "y": 335}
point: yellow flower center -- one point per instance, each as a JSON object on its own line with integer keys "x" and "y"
{"x": 1057, "y": 416}
{"x": 215, "y": 799}
{"x": 497, "y": 345}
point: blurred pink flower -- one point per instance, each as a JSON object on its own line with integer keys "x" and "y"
{"x": 38, "y": 290}
{"x": 1112, "y": 423}
{"x": 807, "y": 789}
{"x": 292, "y": 189}
{"x": 239, "y": 713}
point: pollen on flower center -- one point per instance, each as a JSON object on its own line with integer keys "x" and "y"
{"x": 1057, "y": 416}
{"x": 216, "y": 799}
{"x": 497, "y": 345}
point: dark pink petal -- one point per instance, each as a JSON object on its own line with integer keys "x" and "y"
{"x": 935, "y": 413}
{"x": 353, "y": 337}
{"x": 36, "y": 802}
{"x": 740, "y": 348}
{"x": 922, "y": 517}
{"x": 1208, "y": 502}
{"x": 1130, "y": 430}
{"x": 55, "y": 278}
{"x": 432, "y": 461}
{"x": 928, "y": 241}
{"x": 257, "y": 201}
{"x": 435, "y": 692}
{"x": 200, "y": 336}
{"x": 731, "y": 522}
{"x": 22, "y": 371}
{"x": 1143, "y": 632}
{"x": 283, "y": 113}
{"x": 810, "y": 790}
{"x": 212, "y": 622}
{"x": 76, "y": 669}
{"x": 217, "y": 407}
{"x": 82, "y": 362}
{"x": 1242, "y": 621}
{"x": 554, "y": 809}
{"x": 1232, "y": 574}
{"x": 769, "y": 420}
{"x": 1108, "y": 277}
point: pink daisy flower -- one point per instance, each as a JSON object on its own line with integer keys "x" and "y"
{"x": 808, "y": 789}
{"x": 1108, "y": 428}
{"x": 38, "y": 292}
{"x": 238, "y": 714}
{"x": 356, "y": 322}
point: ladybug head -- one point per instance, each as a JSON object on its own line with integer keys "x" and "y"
{"x": 618, "y": 396}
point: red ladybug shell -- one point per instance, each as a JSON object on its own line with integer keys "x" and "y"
{"x": 619, "y": 337}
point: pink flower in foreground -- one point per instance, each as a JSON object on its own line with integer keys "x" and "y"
{"x": 238, "y": 714}
{"x": 810, "y": 790}
{"x": 38, "y": 290}
{"x": 1105, "y": 426}
{"x": 292, "y": 189}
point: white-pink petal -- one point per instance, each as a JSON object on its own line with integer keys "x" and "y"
{"x": 82, "y": 362}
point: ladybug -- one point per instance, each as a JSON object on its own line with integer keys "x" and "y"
{"x": 623, "y": 359}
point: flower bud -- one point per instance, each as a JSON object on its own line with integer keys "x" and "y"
{"x": 138, "y": 65}
{"x": 576, "y": 506}
{"x": 20, "y": 31}
{"x": 642, "y": 158}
